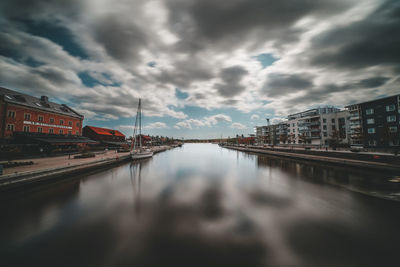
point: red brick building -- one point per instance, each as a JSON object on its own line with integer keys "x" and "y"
{"x": 103, "y": 134}
{"x": 24, "y": 113}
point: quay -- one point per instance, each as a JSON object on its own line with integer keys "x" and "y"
{"x": 390, "y": 163}
{"x": 57, "y": 168}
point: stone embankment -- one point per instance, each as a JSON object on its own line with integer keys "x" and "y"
{"x": 57, "y": 168}
{"x": 359, "y": 160}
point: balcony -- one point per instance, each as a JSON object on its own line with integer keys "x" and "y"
{"x": 315, "y": 123}
{"x": 355, "y": 118}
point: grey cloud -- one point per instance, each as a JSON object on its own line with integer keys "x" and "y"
{"x": 318, "y": 95}
{"x": 122, "y": 39}
{"x": 373, "y": 82}
{"x": 231, "y": 77}
{"x": 370, "y": 42}
{"x": 223, "y": 24}
{"x": 282, "y": 84}
{"x": 186, "y": 72}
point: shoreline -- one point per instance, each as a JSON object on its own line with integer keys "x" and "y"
{"x": 81, "y": 166}
{"x": 324, "y": 158}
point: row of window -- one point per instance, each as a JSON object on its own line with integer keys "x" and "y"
{"x": 392, "y": 129}
{"x": 11, "y": 127}
{"x": 370, "y": 111}
{"x": 391, "y": 118}
{"x": 27, "y": 117}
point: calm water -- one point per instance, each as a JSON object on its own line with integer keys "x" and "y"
{"x": 201, "y": 205}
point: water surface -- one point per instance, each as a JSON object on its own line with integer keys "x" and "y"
{"x": 202, "y": 205}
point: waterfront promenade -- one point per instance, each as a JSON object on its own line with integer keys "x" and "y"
{"x": 59, "y": 167}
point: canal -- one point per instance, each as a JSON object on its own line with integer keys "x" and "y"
{"x": 202, "y": 205}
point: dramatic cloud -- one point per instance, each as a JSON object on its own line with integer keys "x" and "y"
{"x": 369, "y": 42}
{"x": 231, "y": 78}
{"x": 238, "y": 56}
{"x": 282, "y": 84}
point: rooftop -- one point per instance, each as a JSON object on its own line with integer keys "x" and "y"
{"x": 42, "y": 103}
{"x": 105, "y": 131}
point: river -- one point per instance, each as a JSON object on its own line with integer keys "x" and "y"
{"x": 202, "y": 205}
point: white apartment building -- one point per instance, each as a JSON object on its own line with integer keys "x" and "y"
{"x": 317, "y": 126}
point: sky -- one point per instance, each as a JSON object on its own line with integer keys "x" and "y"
{"x": 203, "y": 68}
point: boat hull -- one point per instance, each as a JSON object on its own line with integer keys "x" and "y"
{"x": 141, "y": 155}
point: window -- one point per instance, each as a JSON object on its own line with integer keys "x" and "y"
{"x": 371, "y": 130}
{"x": 70, "y": 123}
{"x": 325, "y": 134}
{"x": 70, "y": 132}
{"x": 372, "y": 142}
{"x": 26, "y": 129}
{"x": 61, "y": 122}
{"x": 390, "y": 107}
{"x": 324, "y": 120}
{"x": 11, "y": 114}
{"x": 77, "y": 132}
{"x": 324, "y": 127}
{"x": 369, "y": 111}
{"x": 391, "y": 118}
{"x": 61, "y": 131}
{"x": 40, "y": 130}
{"x": 10, "y": 127}
{"x": 51, "y": 120}
{"x": 293, "y": 124}
{"x": 333, "y": 120}
{"x": 40, "y": 118}
{"x": 393, "y": 129}
{"x": 370, "y": 121}
{"x": 27, "y": 116}
{"x": 333, "y": 127}
{"x": 51, "y": 130}
{"x": 77, "y": 124}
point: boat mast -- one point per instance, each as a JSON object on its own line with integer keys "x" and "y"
{"x": 135, "y": 129}
{"x": 140, "y": 124}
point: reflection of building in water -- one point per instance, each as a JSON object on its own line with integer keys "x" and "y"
{"x": 324, "y": 174}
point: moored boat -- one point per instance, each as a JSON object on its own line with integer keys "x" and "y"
{"x": 137, "y": 151}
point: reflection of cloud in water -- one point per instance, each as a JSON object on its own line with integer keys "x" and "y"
{"x": 203, "y": 206}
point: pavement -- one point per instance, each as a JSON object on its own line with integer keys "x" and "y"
{"x": 61, "y": 161}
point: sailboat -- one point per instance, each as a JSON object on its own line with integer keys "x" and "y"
{"x": 137, "y": 152}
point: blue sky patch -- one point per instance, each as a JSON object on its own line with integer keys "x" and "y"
{"x": 152, "y": 64}
{"x": 266, "y": 59}
{"x": 57, "y": 34}
{"x": 180, "y": 95}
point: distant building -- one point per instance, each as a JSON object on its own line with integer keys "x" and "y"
{"x": 376, "y": 123}
{"x": 104, "y": 135}
{"x": 318, "y": 126}
{"x": 27, "y": 114}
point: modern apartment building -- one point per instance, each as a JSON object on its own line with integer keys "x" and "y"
{"x": 318, "y": 126}
{"x": 376, "y": 123}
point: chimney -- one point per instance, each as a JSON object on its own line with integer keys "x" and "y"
{"x": 44, "y": 98}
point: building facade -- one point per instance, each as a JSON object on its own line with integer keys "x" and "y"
{"x": 319, "y": 126}
{"x": 376, "y": 123}
{"x": 24, "y": 113}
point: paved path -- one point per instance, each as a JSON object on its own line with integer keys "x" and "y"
{"x": 58, "y": 162}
